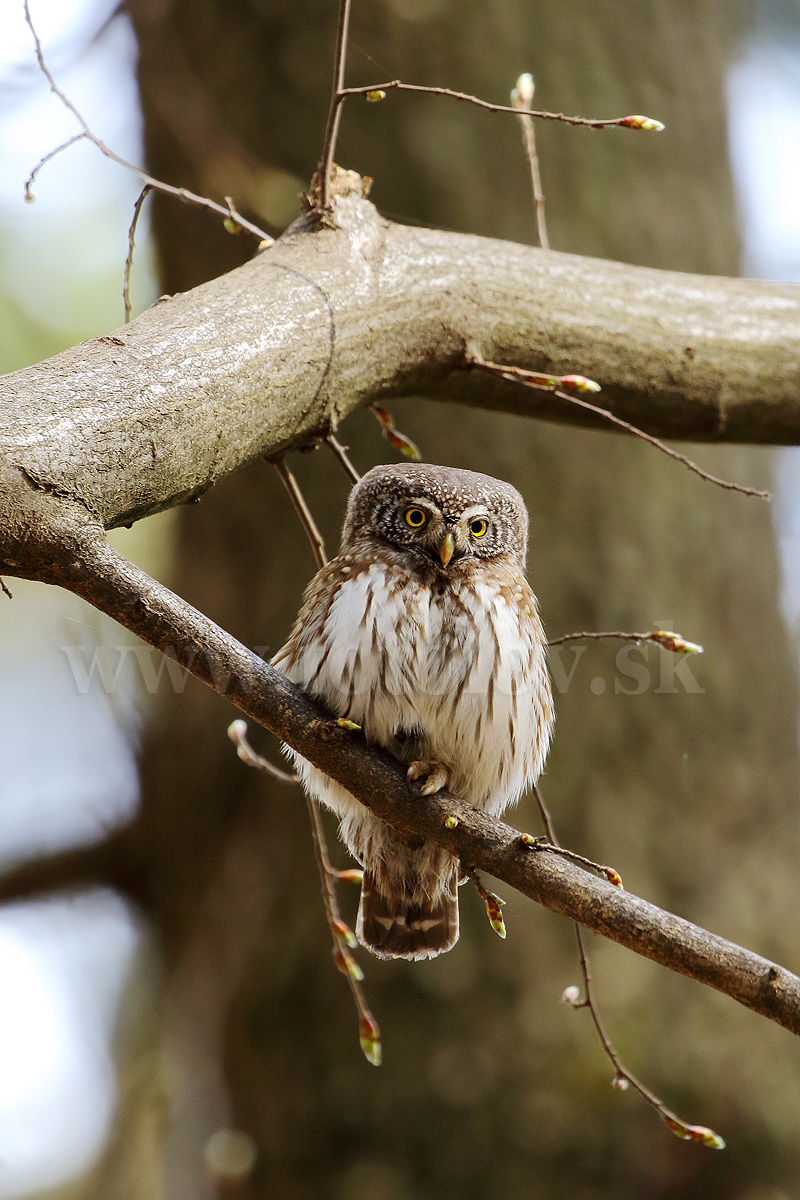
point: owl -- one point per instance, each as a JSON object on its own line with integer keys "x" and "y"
{"x": 425, "y": 632}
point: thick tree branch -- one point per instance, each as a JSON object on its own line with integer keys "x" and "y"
{"x": 275, "y": 353}
{"x": 80, "y": 559}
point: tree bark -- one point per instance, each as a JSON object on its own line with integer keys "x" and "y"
{"x": 274, "y": 354}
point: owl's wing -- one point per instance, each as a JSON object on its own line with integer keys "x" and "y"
{"x": 310, "y": 623}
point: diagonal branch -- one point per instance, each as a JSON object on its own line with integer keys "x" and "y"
{"x": 73, "y": 553}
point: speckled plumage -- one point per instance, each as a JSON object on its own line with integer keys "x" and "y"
{"x": 430, "y": 639}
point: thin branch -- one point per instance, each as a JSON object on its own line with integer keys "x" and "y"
{"x": 335, "y": 109}
{"x": 540, "y": 843}
{"x": 303, "y": 511}
{"x": 126, "y": 275}
{"x": 521, "y": 375}
{"x": 237, "y": 732}
{"x": 343, "y": 938}
{"x": 522, "y": 100}
{"x": 113, "y": 862}
{"x": 622, "y": 1076}
{"x": 659, "y": 637}
{"x": 377, "y": 91}
{"x": 30, "y": 195}
{"x": 648, "y": 124}
{"x": 182, "y": 194}
{"x": 341, "y": 934}
{"x": 5, "y": 590}
{"x": 369, "y": 1032}
{"x": 341, "y": 454}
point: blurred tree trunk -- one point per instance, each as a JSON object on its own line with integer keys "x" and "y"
{"x": 488, "y": 1084}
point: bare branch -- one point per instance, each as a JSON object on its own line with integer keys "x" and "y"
{"x": 622, "y": 1076}
{"x": 522, "y": 100}
{"x": 126, "y": 275}
{"x": 342, "y": 936}
{"x": 303, "y": 511}
{"x": 659, "y": 637}
{"x": 29, "y": 195}
{"x": 343, "y": 457}
{"x": 182, "y": 194}
{"x": 523, "y": 377}
{"x": 335, "y": 109}
{"x": 237, "y": 732}
{"x": 343, "y": 940}
{"x": 648, "y": 124}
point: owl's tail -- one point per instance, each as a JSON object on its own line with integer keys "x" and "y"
{"x": 392, "y": 928}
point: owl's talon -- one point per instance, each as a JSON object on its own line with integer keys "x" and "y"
{"x": 438, "y": 775}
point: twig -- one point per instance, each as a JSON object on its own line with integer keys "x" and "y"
{"x": 368, "y": 1030}
{"x": 5, "y": 590}
{"x": 341, "y": 934}
{"x": 540, "y": 843}
{"x": 520, "y": 375}
{"x": 647, "y": 124}
{"x": 182, "y": 194}
{"x": 237, "y": 732}
{"x": 341, "y": 454}
{"x": 126, "y": 275}
{"x": 335, "y": 110}
{"x": 303, "y": 511}
{"x": 622, "y": 1076}
{"x": 377, "y": 91}
{"x": 660, "y": 637}
{"x": 29, "y": 195}
{"x": 522, "y": 99}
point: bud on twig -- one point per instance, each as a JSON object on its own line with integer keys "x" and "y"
{"x": 347, "y": 964}
{"x": 613, "y": 877}
{"x": 522, "y": 92}
{"x": 394, "y": 437}
{"x": 344, "y": 931}
{"x": 369, "y": 1035}
{"x": 674, "y": 642}
{"x": 648, "y": 124}
{"x": 346, "y": 723}
{"x": 494, "y": 913}
{"x": 350, "y": 875}
{"x": 693, "y": 1133}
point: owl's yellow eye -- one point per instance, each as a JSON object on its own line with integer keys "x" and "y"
{"x": 478, "y": 527}
{"x": 415, "y": 517}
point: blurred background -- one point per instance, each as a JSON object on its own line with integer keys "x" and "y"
{"x": 137, "y": 1023}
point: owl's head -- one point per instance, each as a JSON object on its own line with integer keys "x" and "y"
{"x": 442, "y": 513}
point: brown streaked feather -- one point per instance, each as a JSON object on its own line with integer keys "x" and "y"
{"x": 392, "y": 928}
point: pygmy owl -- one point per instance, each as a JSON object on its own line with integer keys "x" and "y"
{"x": 425, "y": 632}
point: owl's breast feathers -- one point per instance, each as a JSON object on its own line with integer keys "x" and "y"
{"x": 458, "y": 658}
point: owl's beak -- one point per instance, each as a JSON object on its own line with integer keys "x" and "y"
{"x": 447, "y": 548}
